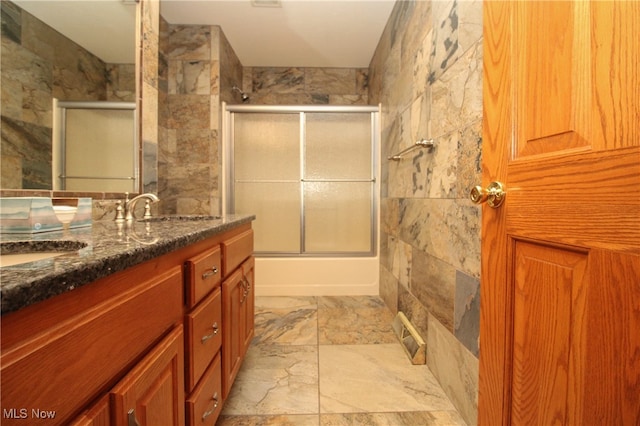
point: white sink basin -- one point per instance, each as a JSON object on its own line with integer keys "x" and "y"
{"x": 20, "y": 258}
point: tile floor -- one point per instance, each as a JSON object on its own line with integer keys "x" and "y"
{"x": 332, "y": 361}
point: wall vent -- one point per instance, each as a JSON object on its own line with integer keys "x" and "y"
{"x": 411, "y": 342}
{"x": 266, "y": 3}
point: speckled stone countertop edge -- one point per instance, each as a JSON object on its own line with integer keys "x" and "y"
{"x": 110, "y": 249}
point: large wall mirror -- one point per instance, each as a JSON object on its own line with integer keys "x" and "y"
{"x": 69, "y": 53}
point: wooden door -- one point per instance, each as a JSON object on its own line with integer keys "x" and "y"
{"x": 560, "y": 316}
{"x": 152, "y": 394}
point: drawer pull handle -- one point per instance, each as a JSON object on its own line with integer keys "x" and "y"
{"x": 210, "y": 272}
{"x": 244, "y": 283}
{"x": 209, "y": 336}
{"x": 215, "y": 405}
{"x": 246, "y": 288}
{"x": 131, "y": 418}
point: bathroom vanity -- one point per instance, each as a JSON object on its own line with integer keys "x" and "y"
{"x": 148, "y": 324}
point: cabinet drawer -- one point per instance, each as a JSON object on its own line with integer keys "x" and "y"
{"x": 203, "y": 275}
{"x": 204, "y": 405}
{"x": 236, "y": 250}
{"x": 204, "y": 336}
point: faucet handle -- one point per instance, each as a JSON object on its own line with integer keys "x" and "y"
{"x": 147, "y": 209}
{"x": 119, "y": 212}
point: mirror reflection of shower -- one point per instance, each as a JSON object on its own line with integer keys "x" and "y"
{"x": 95, "y": 146}
{"x": 245, "y": 97}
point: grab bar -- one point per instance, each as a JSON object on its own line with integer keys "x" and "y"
{"x": 98, "y": 177}
{"x": 422, "y": 143}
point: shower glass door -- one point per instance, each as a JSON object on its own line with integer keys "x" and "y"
{"x": 307, "y": 175}
{"x": 337, "y": 182}
{"x": 267, "y": 178}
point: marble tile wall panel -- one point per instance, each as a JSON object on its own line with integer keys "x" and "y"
{"x": 26, "y": 155}
{"x": 189, "y": 77}
{"x": 469, "y": 23}
{"x": 455, "y": 368}
{"x": 389, "y": 290}
{"x": 121, "y": 82}
{"x": 332, "y": 81}
{"x": 149, "y": 113}
{"x": 401, "y": 261}
{"x": 457, "y": 94}
{"x": 40, "y": 39}
{"x": 444, "y": 50}
{"x": 11, "y": 21}
{"x": 230, "y": 73}
{"x": 433, "y": 282}
{"x": 189, "y": 42}
{"x": 150, "y": 95}
{"x": 338, "y": 86}
{"x": 469, "y": 161}
{"x": 187, "y": 111}
{"x": 277, "y": 80}
{"x": 451, "y": 234}
{"x": 467, "y": 311}
{"x": 27, "y": 85}
{"x": 413, "y": 41}
{"x": 415, "y": 311}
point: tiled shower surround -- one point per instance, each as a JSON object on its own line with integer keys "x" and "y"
{"x": 427, "y": 74}
{"x": 198, "y": 68}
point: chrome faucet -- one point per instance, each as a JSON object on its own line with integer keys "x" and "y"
{"x": 130, "y": 205}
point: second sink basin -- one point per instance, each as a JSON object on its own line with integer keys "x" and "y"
{"x": 18, "y": 252}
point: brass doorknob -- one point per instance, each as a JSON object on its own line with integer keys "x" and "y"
{"x": 494, "y": 194}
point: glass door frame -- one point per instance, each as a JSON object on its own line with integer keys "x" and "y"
{"x": 228, "y": 202}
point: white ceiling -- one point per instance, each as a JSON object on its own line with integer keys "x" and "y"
{"x": 302, "y": 33}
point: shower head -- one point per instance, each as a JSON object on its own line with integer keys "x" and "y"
{"x": 245, "y": 97}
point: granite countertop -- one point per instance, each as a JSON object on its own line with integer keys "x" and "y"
{"x": 111, "y": 247}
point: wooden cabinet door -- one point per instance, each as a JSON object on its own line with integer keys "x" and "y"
{"x": 152, "y": 394}
{"x": 233, "y": 326}
{"x": 98, "y": 415}
{"x": 560, "y": 317}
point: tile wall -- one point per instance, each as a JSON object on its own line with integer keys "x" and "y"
{"x": 198, "y": 69}
{"x": 427, "y": 74}
{"x": 306, "y": 86}
{"x": 39, "y": 64}
{"x": 149, "y": 42}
